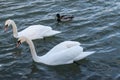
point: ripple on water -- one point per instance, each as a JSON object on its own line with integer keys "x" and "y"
{"x": 98, "y": 67}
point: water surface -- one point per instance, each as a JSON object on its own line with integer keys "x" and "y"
{"x": 96, "y": 25}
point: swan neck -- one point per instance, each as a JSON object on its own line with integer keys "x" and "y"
{"x": 33, "y": 51}
{"x": 15, "y": 32}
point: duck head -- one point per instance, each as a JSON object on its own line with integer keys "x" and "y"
{"x": 58, "y": 17}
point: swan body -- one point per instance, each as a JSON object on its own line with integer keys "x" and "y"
{"x": 64, "y": 18}
{"x": 64, "y": 53}
{"x": 32, "y": 32}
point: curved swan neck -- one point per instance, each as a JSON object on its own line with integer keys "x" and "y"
{"x": 33, "y": 51}
{"x": 15, "y": 32}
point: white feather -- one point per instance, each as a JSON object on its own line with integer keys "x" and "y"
{"x": 64, "y": 53}
{"x": 32, "y": 32}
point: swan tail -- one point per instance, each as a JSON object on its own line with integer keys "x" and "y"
{"x": 83, "y": 55}
{"x": 56, "y": 32}
{"x": 53, "y": 32}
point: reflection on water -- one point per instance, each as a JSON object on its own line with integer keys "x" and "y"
{"x": 96, "y": 26}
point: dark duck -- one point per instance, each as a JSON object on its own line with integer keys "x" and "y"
{"x": 63, "y": 18}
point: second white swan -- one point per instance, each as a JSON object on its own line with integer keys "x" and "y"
{"x": 64, "y": 53}
{"x": 32, "y": 32}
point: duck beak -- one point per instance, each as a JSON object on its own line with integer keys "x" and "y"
{"x": 18, "y": 44}
{"x": 6, "y": 27}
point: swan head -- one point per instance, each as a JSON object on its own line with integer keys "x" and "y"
{"x": 7, "y": 24}
{"x": 21, "y": 40}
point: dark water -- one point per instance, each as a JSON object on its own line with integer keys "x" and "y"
{"x": 96, "y": 25}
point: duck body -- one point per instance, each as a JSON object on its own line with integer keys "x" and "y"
{"x": 64, "y": 18}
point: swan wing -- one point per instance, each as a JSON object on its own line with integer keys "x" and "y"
{"x": 36, "y": 32}
{"x": 63, "y": 46}
{"x": 64, "y": 57}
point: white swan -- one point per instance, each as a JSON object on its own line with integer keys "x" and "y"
{"x": 64, "y": 53}
{"x": 32, "y": 32}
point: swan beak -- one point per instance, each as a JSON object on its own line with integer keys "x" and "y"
{"x": 6, "y": 27}
{"x": 18, "y": 44}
